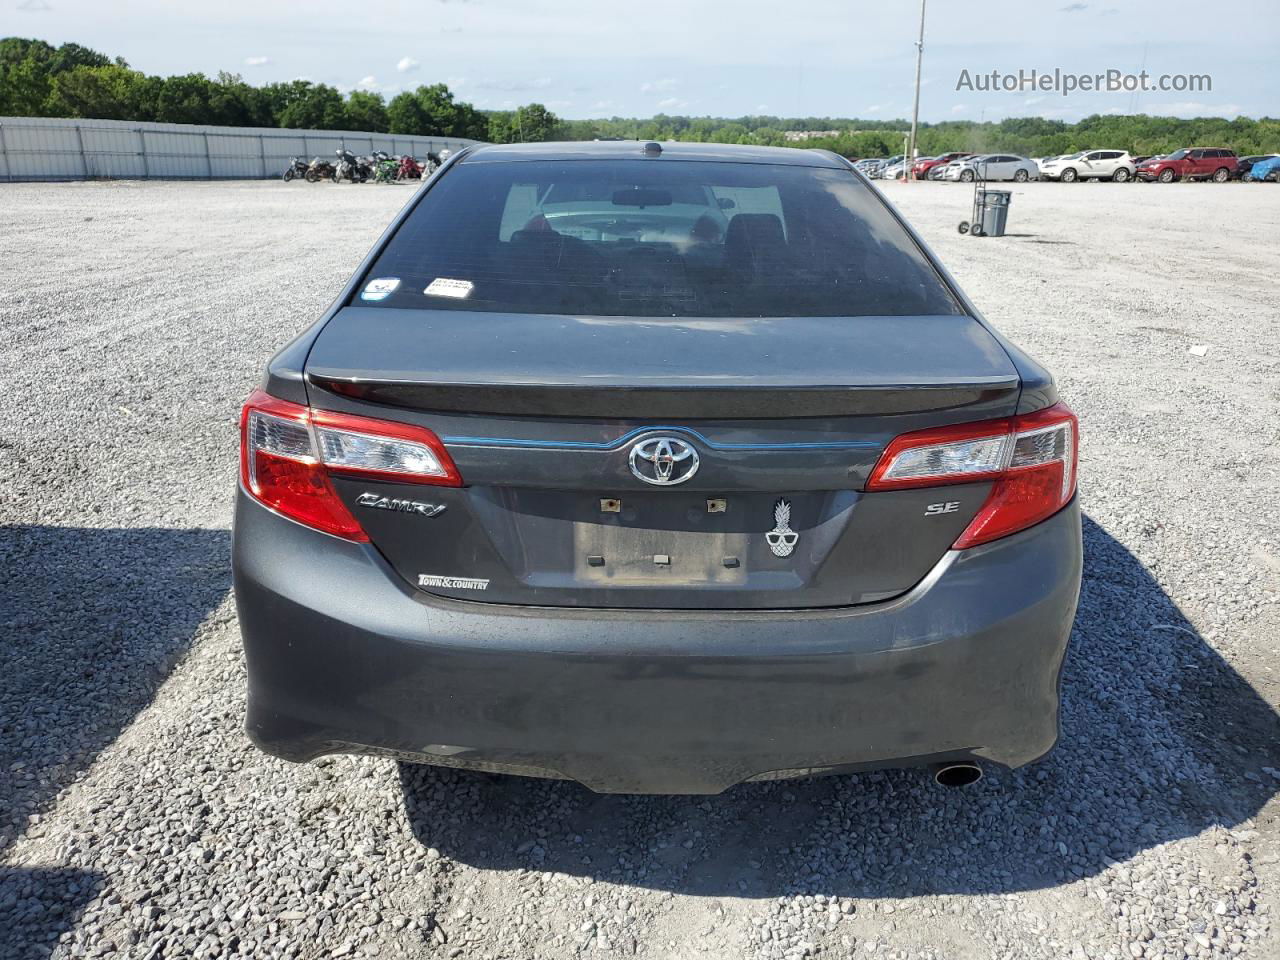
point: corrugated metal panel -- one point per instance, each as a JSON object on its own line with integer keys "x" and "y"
{"x": 50, "y": 148}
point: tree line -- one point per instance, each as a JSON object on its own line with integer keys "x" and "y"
{"x": 40, "y": 80}
{"x": 1026, "y": 136}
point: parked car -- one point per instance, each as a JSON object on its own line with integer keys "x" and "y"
{"x": 636, "y": 546}
{"x": 869, "y": 167}
{"x": 1191, "y": 163}
{"x": 1267, "y": 171}
{"x": 1139, "y": 161}
{"x": 993, "y": 166}
{"x": 926, "y": 165}
{"x": 914, "y": 168}
{"x": 947, "y": 171}
{"x": 890, "y": 163}
{"x": 893, "y": 171}
{"x": 1246, "y": 164}
{"x": 1114, "y": 165}
{"x": 1041, "y": 161}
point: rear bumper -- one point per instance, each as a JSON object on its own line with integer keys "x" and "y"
{"x": 343, "y": 657}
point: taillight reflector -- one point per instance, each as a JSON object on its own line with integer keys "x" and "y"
{"x": 288, "y": 451}
{"x": 1031, "y": 461}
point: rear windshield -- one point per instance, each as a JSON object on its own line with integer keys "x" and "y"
{"x": 654, "y": 238}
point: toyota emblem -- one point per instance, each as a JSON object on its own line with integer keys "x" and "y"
{"x": 664, "y": 461}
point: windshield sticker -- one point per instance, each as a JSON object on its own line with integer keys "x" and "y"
{"x": 447, "y": 287}
{"x": 380, "y": 289}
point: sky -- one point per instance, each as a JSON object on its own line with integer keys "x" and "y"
{"x": 600, "y": 58}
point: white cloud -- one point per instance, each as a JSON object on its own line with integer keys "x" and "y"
{"x": 659, "y": 86}
{"x": 34, "y": 6}
{"x": 603, "y": 105}
{"x": 960, "y": 108}
{"x": 256, "y": 61}
{"x": 558, "y": 104}
{"x": 368, "y": 83}
{"x": 762, "y": 108}
{"x": 407, "y": 64}
{"x": 672, "y": 103}
{"x": 874, "y": 108}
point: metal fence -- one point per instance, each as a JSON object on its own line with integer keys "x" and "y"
{"x": 39, "y": 148}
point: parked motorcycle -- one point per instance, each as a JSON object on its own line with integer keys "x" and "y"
{"x": 297, "y": 168}
{"x": 319, "y": 170}
{"x": 386, "y": 168}
{"x": 409, "y": 169}
{"x": 350, "y": 167}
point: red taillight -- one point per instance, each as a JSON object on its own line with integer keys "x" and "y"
{"x": 287, "y": 452}
{"x": 1031, "y": 461}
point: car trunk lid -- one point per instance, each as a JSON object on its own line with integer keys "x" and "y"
{"x": 785, "y": 416}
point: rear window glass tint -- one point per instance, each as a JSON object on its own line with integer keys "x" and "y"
{"x": 652, "y": 238}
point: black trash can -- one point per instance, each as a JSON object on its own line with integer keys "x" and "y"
{"x": 995, "y": 211}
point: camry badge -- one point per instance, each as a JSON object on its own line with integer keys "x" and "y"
{"x": 782, "y": 539}
{"x": 379, "y": 502}
{"x": 664, "y": 461}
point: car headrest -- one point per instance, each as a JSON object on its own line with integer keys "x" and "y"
{"x": 749, "y": 238}
{"x": 754, "y": 230}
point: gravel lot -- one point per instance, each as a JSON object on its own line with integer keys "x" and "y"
{"x": 136, "y": 820}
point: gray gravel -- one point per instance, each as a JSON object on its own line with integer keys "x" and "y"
{"x": 137, "y": 821}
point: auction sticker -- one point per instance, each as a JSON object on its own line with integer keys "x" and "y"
{"x": 380, "y": 289}
{"x": 446, "y": 287}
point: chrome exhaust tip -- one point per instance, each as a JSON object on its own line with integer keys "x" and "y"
{"x": 956, "y": 774}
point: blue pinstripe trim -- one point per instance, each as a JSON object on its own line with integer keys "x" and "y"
{"x": 615, "y": 444}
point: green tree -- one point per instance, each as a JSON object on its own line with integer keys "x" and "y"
{"x": 107, "y": 92}
{"x": 184, "y": 99}
{"x": 72, "y": 55}
{"x": 24, "y": 88}
{"x": 315, "y": 106}
{"x": 366, "y": 111}
{"x": 432, "y": 111}
{"x": 234, "y": 103}
{"x": 532, "y": 123}
{"x": 405, "y": 114}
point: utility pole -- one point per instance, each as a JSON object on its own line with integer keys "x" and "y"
{"x": 915, "y": 110}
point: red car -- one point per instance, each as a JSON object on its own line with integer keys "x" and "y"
{"x": 1191, "y": 163}
{"x": 922, "y": 166}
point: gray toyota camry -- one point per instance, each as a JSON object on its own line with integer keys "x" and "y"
{"x": 662, "y": 468}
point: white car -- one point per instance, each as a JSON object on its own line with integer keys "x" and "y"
{"x": 992, "y": 166}
{"x": 1042, "y": 162}
{"x": 1114, "y": 165}
{"x": 892, "y": 168}
{"x": 870, "y": 167}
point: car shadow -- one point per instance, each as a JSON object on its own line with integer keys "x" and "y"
{"x": 1161, "y": 740}
{"x": 94, "y": 620}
